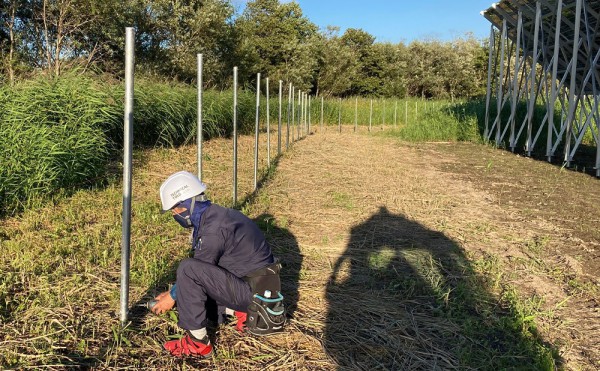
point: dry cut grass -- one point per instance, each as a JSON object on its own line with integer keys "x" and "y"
{"x": 390, "y": 263}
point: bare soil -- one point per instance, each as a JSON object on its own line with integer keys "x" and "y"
{"x": 538, "y": 222}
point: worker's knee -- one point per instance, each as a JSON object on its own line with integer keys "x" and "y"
{"x": 190, "y": 267}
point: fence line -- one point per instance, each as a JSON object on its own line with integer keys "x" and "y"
{"x": 298, "y": 113}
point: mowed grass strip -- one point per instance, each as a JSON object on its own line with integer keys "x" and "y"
{"x": 379, "y": 267}
{"x": 59, "y": 291}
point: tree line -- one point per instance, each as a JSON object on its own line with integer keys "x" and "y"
{"x": 274, "y": 38}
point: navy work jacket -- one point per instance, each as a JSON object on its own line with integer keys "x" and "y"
{"x": 229, "y": 239}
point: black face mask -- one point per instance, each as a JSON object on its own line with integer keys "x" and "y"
{"x": 184, "y": 219}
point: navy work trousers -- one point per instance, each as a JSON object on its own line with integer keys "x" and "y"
{"x": 197, "y": 281}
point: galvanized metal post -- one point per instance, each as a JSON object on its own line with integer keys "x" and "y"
{"x": 268, "y": 127}
{"x": 235, "y": 137}
{"x": 301, "y": 114}
{"x": 293, "y": 111}
{"x": 371, "y": 116}
{"x": 299, "y": 122}
{"x": 340, "y": 115}
{"x": 303, "y": 128}
{"x": 279, "y": 119}
{"x": 127, "y": 171}
{"x": 355, "y": 114}
{"x": 553, "y": 87}
{"x": 256, "y": 125}
{"x": 289, "y": 109}
{"x": 321, "y": 113}
{"x": 416, "y": 110}
{"x": 309, "y": 109}
{"x": 200, "y": 128}
{"x": 383, "y": 114}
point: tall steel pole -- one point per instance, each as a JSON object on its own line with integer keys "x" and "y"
{"x": 371, "y": 115}
{"x": 268, "y": 127}
{"x": 308, "y": 126}
{"x": 256, "y": 124}
{"x": 416, "y": 110}
{"x": 355, "y": 113}
{"x": 127, "y": 172}
{"x": 235, "y": 138}
{"x": 299, "y": 122}
{"x": 340, "y": 115}
{"x": 383, "y": 113}
{"x": 289, "y": 109}
{"x": 200, "y": 129}
{"x": 279, "y": 119}
{"x": 293, "y": 104}
{"x": 321, "y": 113}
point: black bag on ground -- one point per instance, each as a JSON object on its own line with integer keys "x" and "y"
{"x": 266, "y": 313}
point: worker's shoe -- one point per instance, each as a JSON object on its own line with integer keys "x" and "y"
{"x": 241, "y": 321}
{"x": 189, "y": 346}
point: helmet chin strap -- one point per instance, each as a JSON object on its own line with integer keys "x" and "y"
{"x": 201, "y": 198}
{"x": 189, "y": 221}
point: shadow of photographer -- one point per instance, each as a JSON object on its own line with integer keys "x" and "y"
{"x": 405, "y": 297}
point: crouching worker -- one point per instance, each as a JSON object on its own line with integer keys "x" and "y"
{"x": 232, "y": 264}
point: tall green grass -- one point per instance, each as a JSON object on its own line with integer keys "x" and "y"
{"x": 166, "y": 114}
{"x": 388, "y": 112}
{"x": 62, "y": 133}
{"x": 441, "y": 125}
{"x": 52, "y": 137}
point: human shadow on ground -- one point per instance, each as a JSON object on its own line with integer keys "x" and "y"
{"x": 402, "y": 296}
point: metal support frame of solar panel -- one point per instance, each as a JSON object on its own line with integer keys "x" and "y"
{"x": 548, "y": 56}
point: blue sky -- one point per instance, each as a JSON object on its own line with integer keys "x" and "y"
{"x": 401, "y": 20}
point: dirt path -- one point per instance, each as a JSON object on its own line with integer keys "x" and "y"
{"x": 386, "y": 246}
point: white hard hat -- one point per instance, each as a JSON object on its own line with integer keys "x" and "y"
{"x": 179, "y": 187}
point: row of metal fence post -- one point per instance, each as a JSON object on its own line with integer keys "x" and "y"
{"x": 303, "y": 127}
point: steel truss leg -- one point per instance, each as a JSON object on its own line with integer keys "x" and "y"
{"x": 572, "y": 86}
{"x": 553, "y": 88}
{"x": 515, "y": 91}
{"x": 500, "y": 84}
{"x": 488, "y": 93}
